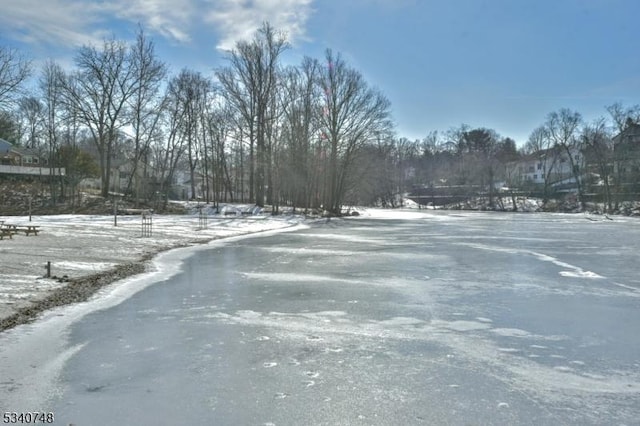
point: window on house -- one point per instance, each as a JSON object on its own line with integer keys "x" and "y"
{"x": 539, "y": 166}
{"x": 531, "y": 169}
{"x": 535, "y": 177}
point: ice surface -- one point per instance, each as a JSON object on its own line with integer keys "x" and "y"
{"x": 494, "y": 333}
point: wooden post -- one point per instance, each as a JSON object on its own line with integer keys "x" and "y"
{"x": 115, "y": 210}
{"x": 29, "y": 208}
{"x": 48, "y": 268}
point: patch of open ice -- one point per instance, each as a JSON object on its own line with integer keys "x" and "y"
{"x": 509, "y": 350}
{"x": 563, "y": 369}
{"x": 400, "y": 321}
{"x": 538, "y": 347}
{"x": 511, "y": 332}
{"x": 462, "y": 325}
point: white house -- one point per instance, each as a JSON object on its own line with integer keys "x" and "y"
{"x": 551, "y": 165}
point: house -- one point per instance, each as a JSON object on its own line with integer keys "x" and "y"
{"x": 552, "y": 166}
{"x": 32, "y": 158}
{"x": 626, "y": 156}
{"x": 9, "y": 154}
{"x": 17, "y": 161}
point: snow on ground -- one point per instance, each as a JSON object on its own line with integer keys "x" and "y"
{"x": 81, "y": 245}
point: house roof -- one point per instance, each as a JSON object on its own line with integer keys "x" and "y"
{"x": 5, "y": 146}
{"x": 630, "y": 131}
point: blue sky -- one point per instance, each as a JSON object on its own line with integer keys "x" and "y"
{"x": 502, "y": 64}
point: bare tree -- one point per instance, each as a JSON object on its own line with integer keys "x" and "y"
{"x": 622, "y": 117}
{"x": 10, "y": 128}
{"x": 168, "y": 155}
{"x": 191, "y": 90}
{"x": 250, "y": 83}
{"x": 299, "y": 100}
{"x": 599, "y": 152}
{"x": 242, "y": 101}
{"x": 563, "y": 127}
{"x": 51, "y": 81}
{"x": 99, "y": 93}
{"x": 621, "y": 114}
{"x": 145, "y": 105}
{"x": 14, "y": 70}
{"x": 541, "y": 147}
{"x": 354, "y": 114}
{"x": 219, "y": 124}
{"x": 30, "y": 110}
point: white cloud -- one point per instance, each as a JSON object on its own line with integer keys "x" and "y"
{"x": 169, "y": 18}
{"x": 77, "y": 22}
{"x": 238, "y": 20}
{"x": 65, "y": 22}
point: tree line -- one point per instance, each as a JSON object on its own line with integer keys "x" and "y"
{"x": 255, "y": 131}
{"x": 313, "y": 135}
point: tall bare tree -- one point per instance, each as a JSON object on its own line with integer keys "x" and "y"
{"x": 145, "y": 105}
{"x": 563, "y": 127}
{"x": 300, "y": 106}
{"x": 599, "y": 151}
{"x": 167, "y": 155}
{"x": 250, "y": 84}
{"x": 353, "y": 114}
{"x": 541, "y": 146}
{"x": 219, "y": 124}
{"x": 30, "y": 110}
{"x": 100, "y": 92}
{"x": 622, "y": 116}
{"x": 51, "y": 89}
{"x": 191, "y": 92}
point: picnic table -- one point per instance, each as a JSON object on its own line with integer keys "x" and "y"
{"x": 6, "y": 232}
{"x": 10, "y": 229}
{"x": 29, "y": 229}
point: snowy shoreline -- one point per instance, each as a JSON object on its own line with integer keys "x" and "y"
{"x": 89, "y": 252}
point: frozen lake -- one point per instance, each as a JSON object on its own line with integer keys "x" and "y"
{"x": 416, "y": 318}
